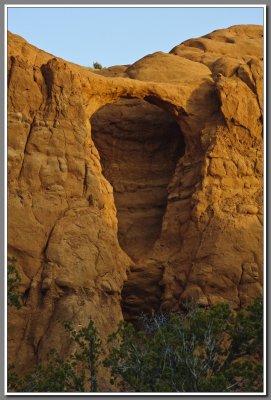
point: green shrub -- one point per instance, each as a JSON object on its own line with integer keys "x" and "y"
{"x": 247, "y": 332}
{"x": 56, "y": 375}
{"x": 202, "y": 350}
{"x": 78, "y": 373}
{"x": 13, "y": 283}
{"x": 89, "y": 350}
{"x": 193, "y": 352}
{"x": 97, "y": 65}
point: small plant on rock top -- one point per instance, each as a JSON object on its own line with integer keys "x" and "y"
{"x": 97, "y": 65}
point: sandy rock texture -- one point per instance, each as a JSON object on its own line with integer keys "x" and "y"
{"x": 134, "y": 188}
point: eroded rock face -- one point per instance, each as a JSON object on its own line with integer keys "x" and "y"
{"x": 77, "y": 160}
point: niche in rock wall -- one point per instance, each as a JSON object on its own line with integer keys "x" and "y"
{"x": 139, "y": 145}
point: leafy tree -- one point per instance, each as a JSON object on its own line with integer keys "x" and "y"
{"x": 13, "y": 283}
{"x": 90, "y": 349}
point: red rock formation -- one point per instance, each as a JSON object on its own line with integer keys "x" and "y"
{"x": 165, "y": 184}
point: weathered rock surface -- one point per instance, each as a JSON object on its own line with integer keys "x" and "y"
{"x": 135, "y": 188}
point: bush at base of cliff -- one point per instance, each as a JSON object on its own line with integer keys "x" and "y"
{"x": 13, "y": 283}
{"x": 213, "y": 350}
{"x": 203, "y": 350}
{"x": 56, "y": 375}
{"x": 78, "y": 373}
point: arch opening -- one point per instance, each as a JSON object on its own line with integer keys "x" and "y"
{"x": 139, "y": 145}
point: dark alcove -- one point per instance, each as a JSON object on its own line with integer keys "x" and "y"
{"x": 139, "y": 145}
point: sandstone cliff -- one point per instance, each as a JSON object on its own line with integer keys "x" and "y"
{"x": 135, "y": 188}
